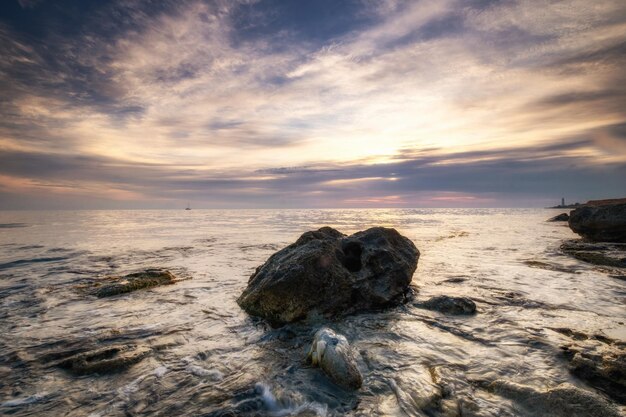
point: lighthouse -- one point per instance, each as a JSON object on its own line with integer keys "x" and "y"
{"x": 563, "y": 201}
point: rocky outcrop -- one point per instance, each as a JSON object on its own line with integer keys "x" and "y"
{"x": 563, "y": 217}
{"x": 104, "y": 360}
{"x": 111, "y": 286}
{"x": 325, "y": 272}
{"x": 609, "y": 256}
{"x": 564, "y": 400}
{"x": 333, "y": 354}
{"x": 600, "y": 223}
{"x": 449, "y": 305}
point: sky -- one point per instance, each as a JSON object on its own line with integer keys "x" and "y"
{"x": 311, "y": 103}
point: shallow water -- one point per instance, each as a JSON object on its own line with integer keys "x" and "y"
{"x": 209, "y": 358}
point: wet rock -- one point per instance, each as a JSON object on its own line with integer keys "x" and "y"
{"x": 605, "y": 223}
{"x": 326, "y": 272}
{"x": 563, "y": 217}
{"x": 104, "y": 360}
{"x": 603, "y": 369}
{"x": 111, "y": 286}
{"x": 564, "y": 400}
{"x": 333, "y": 354}
{"x": 415, "y": 389}
{"x": 612, "y": 255}
{"x": 449, "y": 305}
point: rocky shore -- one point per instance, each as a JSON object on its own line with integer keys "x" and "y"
{"x": 517, "y": 320}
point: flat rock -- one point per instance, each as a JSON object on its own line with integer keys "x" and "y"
{"x": 563, "y": 217}
{"x": 603, "y": 223}
{"x": 333, "y": 354}
{"x": 326, "y": 272}
{"x": 104, "y": 360}
{"x": 116, "y": 285}
{"x": 449, "y": 305}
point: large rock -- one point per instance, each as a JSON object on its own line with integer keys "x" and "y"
{"x": 333, "y": 354}
{"x": 605, "y": 223}
{"x": 326, "y": 272}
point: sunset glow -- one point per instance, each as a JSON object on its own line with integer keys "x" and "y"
{"x": 311, "y": 104}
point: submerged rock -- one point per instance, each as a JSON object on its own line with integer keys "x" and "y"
{"x": 605, "y": 223}
{"x": 326, "y": 272}
{"x": 132, "y": 282}
{"x": 604, "y": 369}
{"x": 564, "y": 400}
{"x": 103, "y": 360}
{"x": 563, "y": 217}
{"x": 333, "y": 354}
{"x": 449, "y": 305}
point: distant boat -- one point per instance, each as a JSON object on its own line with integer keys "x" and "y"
{"x": 188, "y": 207}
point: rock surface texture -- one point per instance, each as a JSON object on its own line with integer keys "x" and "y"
{"x": 326, "y": 272}
{"x": 333, "y": 354}
{"x": 605, "y": 223}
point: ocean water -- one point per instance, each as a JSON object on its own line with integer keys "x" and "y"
{"x": 208, "y": 357}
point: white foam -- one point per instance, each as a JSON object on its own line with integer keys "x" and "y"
{"x": 212, "y": 374}
{"x": 160, "y": 371}
{"x": 277, "y": 408}
{"x": 26, "y": 400}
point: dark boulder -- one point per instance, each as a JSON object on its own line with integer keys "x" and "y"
{"x": 563, "y": 217}
{"x": 326, "y": 272}
{"x": 605, "y": 223}
{"x": 449, "y": 305}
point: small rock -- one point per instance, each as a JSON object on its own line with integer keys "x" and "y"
{"x": 103, "y": 360}
{"x": 111, "y": 286}
{"x": 449, "y": 305}
{"x": 604, "y": 223}
{"x": 563, "y": 217}
{"x": 333, "y": 354}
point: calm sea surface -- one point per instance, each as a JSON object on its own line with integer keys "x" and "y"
{"x": 209, "y": 358}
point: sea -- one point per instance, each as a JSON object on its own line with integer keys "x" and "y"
{"x": 209, "y": 358}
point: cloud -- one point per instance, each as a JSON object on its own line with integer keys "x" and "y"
{"x": 164, "y": 101}
{"x": 29, "y": 4}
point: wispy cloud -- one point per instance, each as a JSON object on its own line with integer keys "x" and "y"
{"x": 426, "y": 102}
